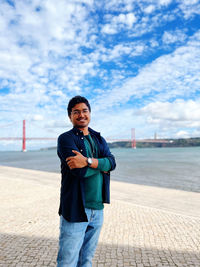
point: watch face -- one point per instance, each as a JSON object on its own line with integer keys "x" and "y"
{"x": 89, "y": 161}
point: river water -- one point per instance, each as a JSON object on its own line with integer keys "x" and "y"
{"x": 177, "y": 168}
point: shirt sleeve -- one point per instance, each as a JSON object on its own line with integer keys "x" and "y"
{"x": 65, "y": 146}
{"x": 104, "y": 165}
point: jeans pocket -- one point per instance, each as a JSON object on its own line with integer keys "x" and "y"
{"x": 69, "y": 228}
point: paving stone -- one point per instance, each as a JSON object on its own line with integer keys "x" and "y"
{"x": 132, "y": 235}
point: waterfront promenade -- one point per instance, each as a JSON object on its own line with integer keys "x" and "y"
{"x": 143, "y": 226}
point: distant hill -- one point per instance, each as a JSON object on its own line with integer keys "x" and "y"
{"x": 182, "y": 142}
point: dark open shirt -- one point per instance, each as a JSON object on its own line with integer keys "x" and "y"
{"x": 72, "y": 198}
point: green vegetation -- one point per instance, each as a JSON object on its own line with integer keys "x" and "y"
{"x": 183, "y": 142}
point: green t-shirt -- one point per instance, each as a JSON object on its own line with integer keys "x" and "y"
{"x": 94, "y": 177}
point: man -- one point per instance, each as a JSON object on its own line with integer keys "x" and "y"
{"x": 86, "y": 162}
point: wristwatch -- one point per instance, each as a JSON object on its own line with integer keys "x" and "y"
{"x": 89, "y": 161}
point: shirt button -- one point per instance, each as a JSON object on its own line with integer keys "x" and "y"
{"x": 81, "y": 137}
{"x": 81, "y": 150}
{"x": 76, "y": 133}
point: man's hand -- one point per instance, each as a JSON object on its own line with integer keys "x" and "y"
{"x": 77, "y": 161}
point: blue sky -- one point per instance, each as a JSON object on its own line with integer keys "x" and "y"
{"x": 138, "y": 63}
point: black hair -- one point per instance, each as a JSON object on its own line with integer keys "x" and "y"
{"x": 77, "y": 100}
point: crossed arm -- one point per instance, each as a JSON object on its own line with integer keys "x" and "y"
{"x": 79, "y": 161}
{"x": 68, "y": 152}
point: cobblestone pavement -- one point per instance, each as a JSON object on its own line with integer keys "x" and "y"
{"x": 132, "y": 235}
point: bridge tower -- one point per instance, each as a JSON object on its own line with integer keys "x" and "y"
{"x": 133, "y": 141}
{"x": 24, "y": 137}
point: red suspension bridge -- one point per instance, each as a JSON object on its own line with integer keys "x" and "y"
{"x": 24, "y": 138}
{"x": 132, "y": 140}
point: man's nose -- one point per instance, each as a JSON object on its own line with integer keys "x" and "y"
{"x": 81, "y": 113}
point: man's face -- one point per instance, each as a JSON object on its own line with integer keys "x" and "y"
{"x": 80, "y": 115}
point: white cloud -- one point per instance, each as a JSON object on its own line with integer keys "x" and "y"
{"x": 167, "y": 77}
{"x": 33, "y": 50}
{"x": 109, "y": 29}
{"x": 177, "y": 111}
{"x": 137, "y": 21}
{"x": 161, "y": 117}
{"x": 182, "y": 134}
{"x": 127, "y": 19}
{"x": 38, "y": 117}
{"x": 50, "y": 51}
{"x": 154, "y": 43}
{"x": 119, "y": 5}
{"x": 119, "y": 22}
{"x": 52, "y": 124}
{"x": 149, "y": 9}
{"x": 189, "y": 7}
{"x": 170, "y": 37}
{"x": 167, "y": 117}
{"x": 165, "y": 2}
{"x": 115, "y": 53}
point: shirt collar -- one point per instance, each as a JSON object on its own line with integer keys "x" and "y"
{"x": 79, "y": 132}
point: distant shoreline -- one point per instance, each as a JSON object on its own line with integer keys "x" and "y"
{"x": 181, "y": 142}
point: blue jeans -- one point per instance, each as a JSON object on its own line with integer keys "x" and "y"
{"x": 78, "y": 241}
